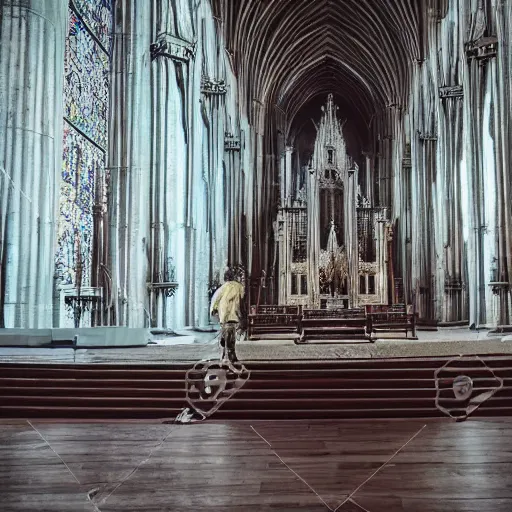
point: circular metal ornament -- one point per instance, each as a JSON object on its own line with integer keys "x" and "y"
{"x": 462, "y": 387}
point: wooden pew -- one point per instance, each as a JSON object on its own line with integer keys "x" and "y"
{"x": 333, "y": 324}
{"x": 269, "y": 320}
{"x": 391, "y": 318}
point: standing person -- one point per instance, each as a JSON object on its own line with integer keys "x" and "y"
{"x": 228, "y": 304}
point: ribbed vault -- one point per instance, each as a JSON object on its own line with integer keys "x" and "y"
{"x": 290, "y": 51}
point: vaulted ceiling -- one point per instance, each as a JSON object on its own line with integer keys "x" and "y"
{"x": 289, "y": 52}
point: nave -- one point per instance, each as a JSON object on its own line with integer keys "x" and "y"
{"x": 336, "y": 154}
{"x": 347, "y": 164}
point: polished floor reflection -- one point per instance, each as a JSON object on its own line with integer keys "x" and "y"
{"x": 437, "y": 466}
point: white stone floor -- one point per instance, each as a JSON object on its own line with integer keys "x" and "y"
{"x": 193, "y": 346}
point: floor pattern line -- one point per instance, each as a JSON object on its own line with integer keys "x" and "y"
{"x": 351, "y": 500}
{"x": 381, "y": 467}
{"x": 127, "y": 477}
{"x": 293, "y": 471}
{"x": 90, "y": 497}
{"x": 96, "y": 509}
{"x": 51, "y": 448}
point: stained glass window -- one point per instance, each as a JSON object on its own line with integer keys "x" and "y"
{"x": 86, "y": 77}
{"x": 86, "y": 96}
{"x": 97, "y": 15}
{"x": 366, "y": 234}
{"x": 82, "y": 161}
{"x": 299, "y": 231}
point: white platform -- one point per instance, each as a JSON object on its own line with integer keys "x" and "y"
{"x": 85, "y": 337}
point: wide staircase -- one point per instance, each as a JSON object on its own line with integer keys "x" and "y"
{"x": 352, "y": 389}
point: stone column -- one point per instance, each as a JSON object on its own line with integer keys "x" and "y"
{"x": 427, "y": 256}
{"x": 32, "y": 41}
{"x": 288, "y": 176}
{"x": 449, "y": 214}
{"x": 232, "y": 159}
{"x": 172, "y": 58}
{"x": 351, "y": 234}
{"x": 405, "y": 224}
{"x": 503, "y": 123}
{"x": 481, "y": 169}
{"x": 129, "y": 162}
{"x": 368, "y": 159}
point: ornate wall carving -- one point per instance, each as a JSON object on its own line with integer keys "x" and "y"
{"x": 451, "y": 91}
{"x": 210, "y": 86}
{"x": 231, "y": 142}
{"x": 173, "y": 47}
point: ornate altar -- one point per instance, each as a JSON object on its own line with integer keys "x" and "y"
{"x": 332, "y": 242}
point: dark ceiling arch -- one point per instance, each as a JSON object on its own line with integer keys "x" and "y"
{"x": 326, "y": 76}
{"x": 362, "y": 49}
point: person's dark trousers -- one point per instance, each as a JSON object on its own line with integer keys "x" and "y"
{"x": 228, "y": 340}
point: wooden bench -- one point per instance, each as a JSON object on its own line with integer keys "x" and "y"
{"x": 391, "y": 318}
{"x": 333, "y": 324}
{"x": 270, "y": 320}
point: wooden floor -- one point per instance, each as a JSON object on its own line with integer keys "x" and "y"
{"x": 438, "y": 466}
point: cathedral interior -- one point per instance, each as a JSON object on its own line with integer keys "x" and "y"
{"x": 145, "y": 150}
{"x": 347, "y": 161}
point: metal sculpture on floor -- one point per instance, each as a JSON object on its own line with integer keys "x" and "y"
{"x": 463, "y": 384}
{"x": 211, "y": 383}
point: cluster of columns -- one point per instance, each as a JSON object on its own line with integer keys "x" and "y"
{"x": 170, "y": 208}
{"x": 451, "y": 194}
{"x": 177, "y": 184}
